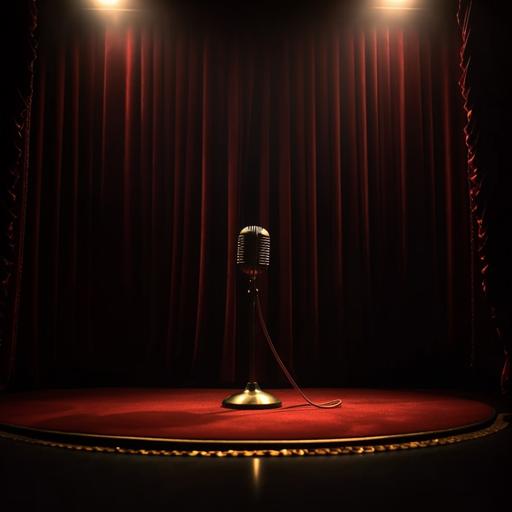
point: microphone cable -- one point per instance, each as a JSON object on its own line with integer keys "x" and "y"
{"x": 325, "y": 405}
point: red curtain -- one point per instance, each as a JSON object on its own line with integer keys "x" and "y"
{"x": 485, "y": 86}
{"x": 16, "y": 106}
{"x": 154, "y": 143}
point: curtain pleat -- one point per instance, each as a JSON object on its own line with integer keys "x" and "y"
{"x": 485, "y": 88}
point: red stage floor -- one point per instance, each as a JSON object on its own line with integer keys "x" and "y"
{"x": 196, "y": 414}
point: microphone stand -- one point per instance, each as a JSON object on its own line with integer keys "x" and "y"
{"x": 252, "y": 397}
{"x": 252, "y": 291}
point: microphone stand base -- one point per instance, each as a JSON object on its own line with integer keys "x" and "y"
{"x": 252, "y": 397}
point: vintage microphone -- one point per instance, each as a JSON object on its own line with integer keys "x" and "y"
{"x": 253, "y": 258}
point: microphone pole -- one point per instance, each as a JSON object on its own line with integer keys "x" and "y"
{"x": 252, "y": 329}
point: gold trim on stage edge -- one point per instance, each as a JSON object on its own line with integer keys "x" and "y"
{"x": 499, "y": 424}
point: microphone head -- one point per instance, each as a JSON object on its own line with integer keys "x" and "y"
{"x": 253, "y": 254}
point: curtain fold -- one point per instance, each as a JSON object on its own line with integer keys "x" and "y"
{"x": 485, "y": 88}
{"x": 154, "y": 144}
{"x": 15, "y": 126}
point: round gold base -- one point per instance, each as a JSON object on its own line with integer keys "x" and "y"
{"x": 252, "y": 397}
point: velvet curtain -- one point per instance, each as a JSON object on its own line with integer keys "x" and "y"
{"x": 18, "y": 56}
{"x": 485, "y": 86}
{"x": 155, "y": 141}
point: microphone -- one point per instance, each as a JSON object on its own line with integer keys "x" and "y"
{"x": 253, "y": 252}
{"x": 253, "y": 258}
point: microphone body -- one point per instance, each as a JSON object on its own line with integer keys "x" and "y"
{"x": 253, "y": 251}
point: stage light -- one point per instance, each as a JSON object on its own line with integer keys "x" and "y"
{"x": 107, "y": 3}
{"x": 397, "y": 5}
{"x": 112, "y": 6}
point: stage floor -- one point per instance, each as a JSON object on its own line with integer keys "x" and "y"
{"x": 185, "y": 421}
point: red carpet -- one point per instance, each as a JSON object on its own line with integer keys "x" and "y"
{"x": 196, "y": 414}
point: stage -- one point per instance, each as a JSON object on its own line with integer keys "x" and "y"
{"x": 192, "y": 421}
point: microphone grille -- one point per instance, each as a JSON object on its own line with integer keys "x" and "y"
{"x": 253, "y": 251}
{"x": 264, "y": 252}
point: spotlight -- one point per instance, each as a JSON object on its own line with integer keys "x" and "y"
{"x": 399, "y": 5}
{"x": 112, "y": 6}
{"x": 107, "y": 3}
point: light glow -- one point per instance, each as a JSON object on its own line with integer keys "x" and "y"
{"x": 112, "y": 7}
{"x": 107, "y": 3}
{"x": 399, "y": 5}
{"x": 256, "y": 472}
